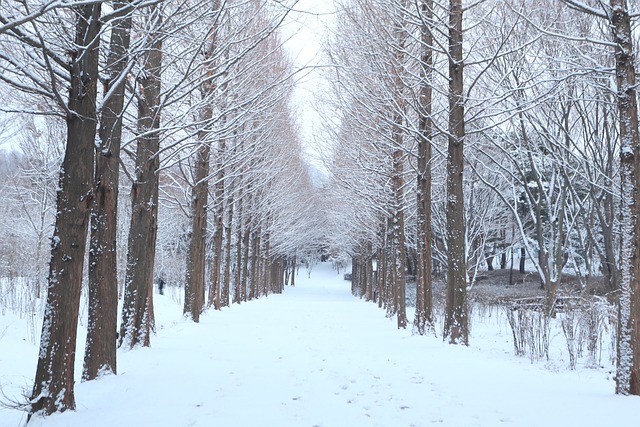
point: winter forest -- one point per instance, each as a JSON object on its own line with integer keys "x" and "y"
{"x": 451, "y": 164}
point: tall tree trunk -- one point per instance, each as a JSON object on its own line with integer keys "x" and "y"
{"x": 391, "y": 271}
{"x": 218, "y": 212}
{"x": 195, "y": 265}
{"x": 266, "y": 266}
{"x": 370, "y": 284}
{"x": 226, "y": 278}
{"x": 255, "y": 255}
{"x": 424, "y": 294}
{"x": 100, "y": 350}
{"x": 397, "y": 224}
{"x": 628, "y": 366}
{"x": 238, "y": 290}
{"x": 196, "y": 253}
{"x": 246, "y": 246}
{"x": 456, "y": 322}
{"x": 53, "y": 389}
{"x": 400, "y": 258}
{"x": 294, "y": 270}
{"x": 137, "y": 312}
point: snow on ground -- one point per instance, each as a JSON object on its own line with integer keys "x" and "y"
{"x": 316, "y": 356}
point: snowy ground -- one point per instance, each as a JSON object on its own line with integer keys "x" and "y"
{"x": 316, "y": 356}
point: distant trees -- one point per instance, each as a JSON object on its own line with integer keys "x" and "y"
{"x": 535, "y": 110}
{"x": 618, "y": 16}
{"x": 391, "y": 102}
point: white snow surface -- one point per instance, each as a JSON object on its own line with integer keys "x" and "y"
{"x": 317, "y": 356}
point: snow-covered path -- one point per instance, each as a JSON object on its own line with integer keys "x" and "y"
{"x": 316, "y": 356}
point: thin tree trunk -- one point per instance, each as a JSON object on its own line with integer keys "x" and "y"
{"x": 226, "y": 279}
{"x": 266, "y": 263}
{"x": 294, "y": 264}
{"x": 53, "y": 389}
{"x": 215, "y": 287}
{"x": 369, "y": 282}
{"x": 238, "y": 290}
{"x": 255, "y": 255}
{"x": 246, "y": 246}
{"x": 137, "y": 312}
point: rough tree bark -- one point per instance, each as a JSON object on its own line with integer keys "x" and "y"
{"x": 53, "y": 389}
{"x": 100, "y": 350}
{"x": 397, "y": 220}
{"x": 137, "y": 312}
{"x": 226, "y": 277}
{"x": 399, "y": 257}
{"x": 255, "y": 254}
{"x": 456, "y": 321}
{"x": 239, "y": 293}
{"x": 628, "y": 366}
{"x": 218, "y": 216}
{"x": 423, "y": 320}
{"x": 246, "y": 243}
{"x": 196, "y": 253}
{"x": 195, "y": 265}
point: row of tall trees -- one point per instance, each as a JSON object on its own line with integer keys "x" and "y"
{"x": 189, "y": 102}
{"x": 468, "y": 132}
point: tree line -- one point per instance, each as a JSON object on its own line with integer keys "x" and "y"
{"x": 470, "y": 133}
{"x": 462, "y": 134}
{"x": 159, "y": 140}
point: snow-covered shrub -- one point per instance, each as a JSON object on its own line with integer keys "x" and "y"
{"x": 530, "y": 328}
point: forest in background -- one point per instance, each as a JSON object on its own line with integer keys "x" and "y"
{"x": 158, "y": 140}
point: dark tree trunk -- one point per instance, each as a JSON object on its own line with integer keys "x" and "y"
{"x": 100, "y": 350}
{"x": 503, "y": 246}
{"x": 456, "y": 326}
{"x": 195, "y": 265}
{"x": 397, "y": 220}
{"x": 226, "y": 278}
{"x": 294, "y": 264}
{"x": 255, "y": 254}
{"x": 53, "y": 389}
{"x": 266, "y": 266}
{"x": 246, "y": 246}
{"x": 423, "y": 320}
{"x": 391, "y": 271}
{"x": 628, "y": 366}
{"x": 369, "y": 282}
{"x": 489, "y": 259}
{"x": 237, "y": 285}
{"x": 216, "y": 264}
{"x": 399, "y": 276}
{"x": 137, "y": 312}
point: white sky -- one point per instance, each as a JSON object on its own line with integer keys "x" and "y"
{"x": 304, "y": 32}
